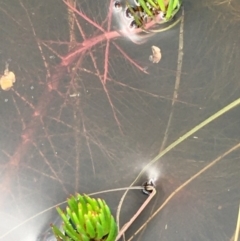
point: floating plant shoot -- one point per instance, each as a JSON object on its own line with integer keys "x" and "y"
{"x": 90, "y": 219}
{"x": 144, "y": 11}
{"x": 86, "y": 219}
{"x": 137, "y": 17}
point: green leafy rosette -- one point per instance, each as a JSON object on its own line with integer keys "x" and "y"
{"x": 86, "y": 219}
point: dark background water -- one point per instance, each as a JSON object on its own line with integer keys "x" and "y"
{"x": 54, "y": 144}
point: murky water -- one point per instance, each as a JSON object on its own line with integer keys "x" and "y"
{"x": 89, "y": 110}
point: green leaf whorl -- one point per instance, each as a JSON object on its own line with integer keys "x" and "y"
{"x": 86, "y": 219}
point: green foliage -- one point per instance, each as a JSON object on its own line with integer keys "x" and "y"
{"x": 86, "y": 219}
{"x": 151, "y": 8}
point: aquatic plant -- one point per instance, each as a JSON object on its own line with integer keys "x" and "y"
{"x": 86, "y": 219}
{"x": 144, "y": 11}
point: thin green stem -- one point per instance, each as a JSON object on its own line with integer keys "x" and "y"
{"x": 129, "y": 223}
{"x": 136, "y": 18}
{"x": 145, "y": 7}
{"x": 161, "y": 5}
{"x": 178, "y": 189}
{"x": 188, "y": 134}
{"x": 180, "y": 140}
{"x": 238, "y": 226}
{"x": 169, "y": 9}
{"x": 152, "y": 3}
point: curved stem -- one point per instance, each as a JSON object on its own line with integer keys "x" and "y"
{"x": 129, "y": 223}
{"x": 180, "y": 140}
{"x": 177, "y": 190}
{"x": 238, "y": 226}
{"x": 61, "y": 203}
{"x": 189, "y": 133}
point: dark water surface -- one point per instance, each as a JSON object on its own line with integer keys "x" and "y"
{"x": 85, "y": 116}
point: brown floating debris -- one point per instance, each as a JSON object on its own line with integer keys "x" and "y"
{"x": 156, "y": 54}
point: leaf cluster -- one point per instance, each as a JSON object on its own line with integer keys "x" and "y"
{"x": 86, "y": 219}
{"x": 151, "y": 8}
